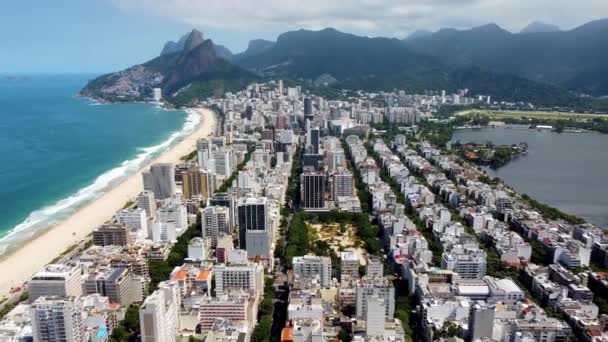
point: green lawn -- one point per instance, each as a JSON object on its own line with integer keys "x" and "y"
{"x": 539, "y": 115}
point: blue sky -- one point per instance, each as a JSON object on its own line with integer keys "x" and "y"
{"x": 86, "y": 36}
{"x": 95, "y": 36}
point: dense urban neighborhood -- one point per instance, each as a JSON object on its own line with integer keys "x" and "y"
{"x": 306, "y": 218}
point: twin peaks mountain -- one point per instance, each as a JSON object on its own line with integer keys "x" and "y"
{"x": 543, "y": 65}
{"x": 185, "y": 71}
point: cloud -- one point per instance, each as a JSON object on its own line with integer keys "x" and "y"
{"x": 370, "y": 17}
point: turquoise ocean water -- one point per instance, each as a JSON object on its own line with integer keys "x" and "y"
{"x": 59, "y": 151}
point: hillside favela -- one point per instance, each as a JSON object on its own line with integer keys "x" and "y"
{"x": 287, "y": 171}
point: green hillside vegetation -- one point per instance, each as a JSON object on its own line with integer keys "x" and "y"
{"x": 574, "y": 59}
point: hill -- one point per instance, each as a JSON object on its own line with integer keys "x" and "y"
{"x": 384, "y": 64}
{"x": 569, "y": 59}
{"x": 192, "y": 73}
{"x": 539, "y": 27}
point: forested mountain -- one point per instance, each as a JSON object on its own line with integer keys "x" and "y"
{"x": 571, "y": 59}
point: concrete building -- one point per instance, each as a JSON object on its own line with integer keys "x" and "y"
{"x": 343, "y": 184}
{"x": 255, "y": 231}
{"x": 349, "y": 265}
{"x": 223, "y": 161}
{"x": 312, "y": 191}
{"x": 215, "y": 223}
{"x": 375, "y": 286}
{"x": 234, "y": 308}
{"x": 157, "y": 94}
{"x": 375, "y": 317}
{"x": 118, "y": 284}
{"x": 147, "y": 201}
{"x": 197, "y": 182}
{"x": 159, "y": 315}
{"x": 311, "y": 266}
{"x": 374, "y": 267}
{"x": 239, "y": 277}
{"x": 111, "y": 234}
{"x": 174, "y": 213}
{"x": 57, "y": 280}
{"x": 135, "y": 219}
{"x": 160, "y": 179}
{"x": 469, "y": 264}
{"x": 56, "y": 320}
{"x": 481, "y": 321}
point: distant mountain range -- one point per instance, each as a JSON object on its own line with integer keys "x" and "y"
{"x": 534, "y": 66}
{"x": 540, "y": 27}
{"x": 570, "y": 59}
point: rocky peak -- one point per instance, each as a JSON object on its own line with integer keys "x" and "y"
{"x": 195, "y": 38}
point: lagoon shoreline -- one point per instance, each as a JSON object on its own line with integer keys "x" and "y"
{"x": 23, "y": 262}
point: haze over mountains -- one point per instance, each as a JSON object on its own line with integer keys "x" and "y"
{"x": 539, "y": 65}
{"x": 570, "y": 59}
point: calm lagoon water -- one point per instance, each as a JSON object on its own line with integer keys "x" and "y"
{"x": 568, "y": 171}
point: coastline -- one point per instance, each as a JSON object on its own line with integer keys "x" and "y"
{"x": 20, "y": 264}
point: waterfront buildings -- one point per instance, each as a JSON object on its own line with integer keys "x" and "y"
{"x": 55, "y": 280}
{"x": 160, "y": 179}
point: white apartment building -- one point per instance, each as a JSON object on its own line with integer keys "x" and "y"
{"x": 232, "y": 308}
{"x": 147, "y": 201}
{"x": 375, "y": 286}
{"x": 173, "y": 212}
{"x": 159, "y": 315}
{"x": 311, "y": 266}
{"x": 55, "y": 280}
{"x": 375, "y": 317}
{"x": 215, "y": 223}
{"x": 135, "y": 219}
{"x": 343, "y": 184}
{"x": 469, "y": 264}
{"x": 239, "y": 277}
{"x": 56, "y": 320}
{"x": 349, "y": 265}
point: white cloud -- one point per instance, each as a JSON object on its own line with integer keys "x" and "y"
{"x": 370, "y": 17}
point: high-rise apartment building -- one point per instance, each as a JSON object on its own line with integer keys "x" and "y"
{"x": 147, "y": 201}
{"x": 159, "y": 314}
{"x": 195, "y": 182}
{"x": 112, "y": 234}
{"x": 57, "y": 280}
{"x": 481, "y": 321}
{"x": 254, "y": 226}
{"x": 239, "y": 277}
{"x": 135, "y": 219}
{"x": 160, "y": 179}
{"x": 310, "y": 266}
{"x": 312, "y": 191}
{"x": 343, "y": 184}
{"x": 215, "y": 223}
{"x": 57, "y": 319}
{"x": 375, "y": 286}
{"x": 118, "y": 284}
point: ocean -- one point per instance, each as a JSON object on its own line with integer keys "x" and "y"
{"x": 59, "y": 151}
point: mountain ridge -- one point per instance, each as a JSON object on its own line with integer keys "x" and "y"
{"x": 562, "y": 58}
{"x": 194, "y": 66}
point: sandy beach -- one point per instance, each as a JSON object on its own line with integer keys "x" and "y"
{"x": 17, "y": 267}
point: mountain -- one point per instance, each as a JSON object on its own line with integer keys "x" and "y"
{"x": 385, "y": 64}
{"x": 569, "y": 59}
{"x": 540, "y": 27}
{"x": 419, "y": 34}
{"x": 255, "y": 47}
{"x": 193, "y": 72}
{"x": 223, "y": 52}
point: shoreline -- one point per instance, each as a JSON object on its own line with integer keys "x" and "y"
{"x": 19, "y": 264}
